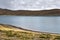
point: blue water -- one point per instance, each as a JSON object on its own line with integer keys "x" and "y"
{"x": 36, "y": 23}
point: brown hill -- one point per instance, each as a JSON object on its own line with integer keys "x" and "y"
{"x": 52, "y": 12}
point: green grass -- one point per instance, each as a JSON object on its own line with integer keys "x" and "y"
{"x": 17, "y": 35}
{"x": 11, "y": 33}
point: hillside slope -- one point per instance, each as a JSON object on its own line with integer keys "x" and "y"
{"x": 9, "y": 32}
{"x": 52, "y": 12}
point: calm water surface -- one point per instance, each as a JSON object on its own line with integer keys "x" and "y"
{"x": 36, "y": 23}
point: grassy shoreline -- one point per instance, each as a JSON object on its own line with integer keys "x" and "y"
{"x": 12, "y": 33}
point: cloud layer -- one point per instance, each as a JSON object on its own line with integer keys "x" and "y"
{"x": 29, "y": 4}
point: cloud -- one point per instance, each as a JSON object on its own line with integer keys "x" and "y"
{"x": 29, "y": 4}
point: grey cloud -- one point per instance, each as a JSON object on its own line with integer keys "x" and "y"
{"x": 29, "y": 4}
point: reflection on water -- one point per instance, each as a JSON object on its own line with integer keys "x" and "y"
{"x": 37, "y": 23}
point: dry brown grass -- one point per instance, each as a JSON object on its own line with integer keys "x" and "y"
{"x": 8, "y": 32}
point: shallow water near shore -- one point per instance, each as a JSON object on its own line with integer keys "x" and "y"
{"x": 36, "y": 23}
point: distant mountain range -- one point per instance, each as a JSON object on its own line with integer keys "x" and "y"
{"x": 52, "y": 12}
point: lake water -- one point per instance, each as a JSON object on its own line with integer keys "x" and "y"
{"x": 36, "y": 23}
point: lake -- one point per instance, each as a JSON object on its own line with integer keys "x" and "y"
{"x": 36, "y": 23}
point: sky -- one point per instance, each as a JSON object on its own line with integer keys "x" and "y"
{"x": 36, "y": 23}
{"x": 29, "y": 4}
